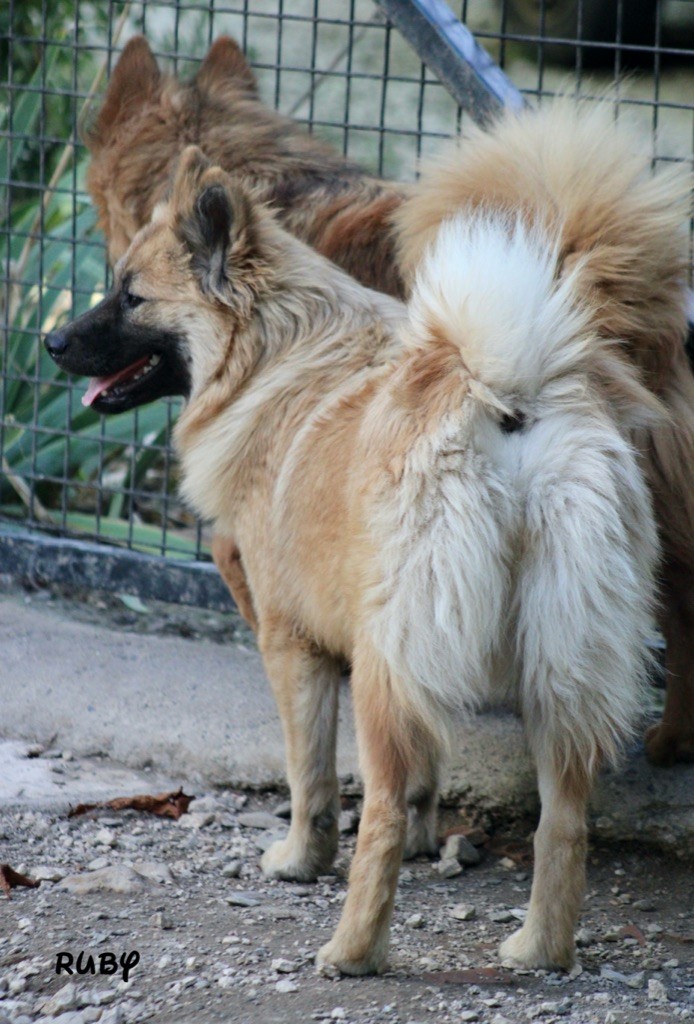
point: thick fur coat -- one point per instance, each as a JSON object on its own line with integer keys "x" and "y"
{"x": 581, "y": 176}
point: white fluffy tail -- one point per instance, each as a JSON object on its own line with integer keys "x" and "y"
{"x": 488, "y": 285}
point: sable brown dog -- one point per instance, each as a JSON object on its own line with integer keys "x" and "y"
{"x": 148, "y": 118}
{"x": 441, "y": 494}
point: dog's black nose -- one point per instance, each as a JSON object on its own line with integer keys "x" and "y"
{"x": 56, "y": 343}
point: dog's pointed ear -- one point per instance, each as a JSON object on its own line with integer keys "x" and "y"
{"x": 135, "y": 79}
{"x": 208, "y": 220}
{"x": 225, "y": 63}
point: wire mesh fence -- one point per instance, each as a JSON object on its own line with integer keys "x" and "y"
{"x": 339, "y": 67}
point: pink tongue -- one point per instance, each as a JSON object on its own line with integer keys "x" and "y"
{"x": 99, "y": 384}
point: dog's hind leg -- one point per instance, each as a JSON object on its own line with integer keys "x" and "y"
{"x": 584, "y": 596}
{"x": 423, "y": 801}
{"x": 360, "y": 944}
{"x": 669, "y": 463}
{"x": 305, "y": 682}
{"x": 672, "y": 739}
{"x": 547, "y": 936}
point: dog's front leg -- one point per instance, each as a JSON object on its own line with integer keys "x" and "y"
{"x": 305, "y": 683}
{"x": 227, "y": 558}
{"x": 546, "y": 939}
{"x": 360, "y": 944}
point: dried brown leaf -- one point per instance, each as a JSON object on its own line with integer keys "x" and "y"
{"x": 474, "y": 834}
{"x": 632, "y": 931}
{"x": 165, "y": 805}
{"x": 10, "y": 879}
{"x": 518, "y": 850}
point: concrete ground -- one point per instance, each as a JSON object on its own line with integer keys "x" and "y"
{"x": 118, "y": 680}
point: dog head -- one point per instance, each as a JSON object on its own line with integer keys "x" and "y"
{"x": 147, "y": 119}
{"x": 183, "y": 292}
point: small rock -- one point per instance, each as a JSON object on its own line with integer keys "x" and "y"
{"x": 461, "y": 849}
{"x": 614, "y": 1017}
{"x": 196, "y": 819}
{"x": 501, "y": 916}
{"x": 243, "y": 899}
{"x": 284, "y": 810}
{"x": 232, "y": 869}
{"x": 66, "y": 998}
{"x": 338, "y": 1013}
{"x": 645, "y": 906}
{"x": 585, "y": 937}
{"x": 99, "y": 997}
{"x": 469, "y": 1015}
{"x": 551, "y": 1008}
{"x": 286, "y": 985}
{"x": 632, "y": 980}
{"x": 209, "y": 803}
{"x": 507, "y": 863}
{"x": 114, "y": 1015}
{"x": 47, "y": 873}
{"x": 117, "y": 878}
{"x": 87, "y": 1016}
{"x": 657, "y": 991}
{"x": 283, "y": 966}
{"x": 415, "y": 921}
{"x": 462, "y": 912}
{"x": 449, "y": 868}
{"x": 105, "y": 837}
{"x": 260, "y": 819}
{"x": 500, "y": 1019}
{"x": 98, "y": 863}
{"x": 154, "y": 871}
{"x": 161, "y": 920}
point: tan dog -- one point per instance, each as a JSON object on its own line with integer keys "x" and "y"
{"x": 148, "y": 118}
{"x": 445, "y": 495}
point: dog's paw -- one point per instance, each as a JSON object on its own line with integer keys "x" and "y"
{"x": 349, "y": 960}
{"x": 523, "y": 949}
{"x": 285, "y": 860}
{"x": 665, "y": 745}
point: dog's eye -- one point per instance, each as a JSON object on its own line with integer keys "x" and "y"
{"x": 130, "y": 301}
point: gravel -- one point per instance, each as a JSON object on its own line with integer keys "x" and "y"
{"x": 218, "y": 943}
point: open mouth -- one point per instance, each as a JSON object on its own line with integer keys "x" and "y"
{"x": 126, "y": 385}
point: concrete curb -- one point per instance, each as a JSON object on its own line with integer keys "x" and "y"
{"x": 203, "y": 712}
